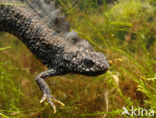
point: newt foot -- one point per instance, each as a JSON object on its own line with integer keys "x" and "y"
{"x": 51, "y": 101}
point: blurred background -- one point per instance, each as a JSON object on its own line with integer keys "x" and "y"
{"x": 124, "y": 30}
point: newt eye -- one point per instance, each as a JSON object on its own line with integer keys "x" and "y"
{"x": 88, "y": 62}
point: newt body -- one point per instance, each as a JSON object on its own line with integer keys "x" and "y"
{"x": 61, "y": 54}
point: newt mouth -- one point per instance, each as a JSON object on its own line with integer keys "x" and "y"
{"x": 93, "y": 73}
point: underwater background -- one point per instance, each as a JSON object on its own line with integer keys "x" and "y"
{"x": 124, "y": 30}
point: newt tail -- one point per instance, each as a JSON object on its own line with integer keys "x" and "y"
{"x": 61, "y": 53}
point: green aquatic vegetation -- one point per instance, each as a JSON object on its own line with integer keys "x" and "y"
{"x": 4, "y": 48}
{"x": 9, "y": 90}
{"x": 124, "y": 30}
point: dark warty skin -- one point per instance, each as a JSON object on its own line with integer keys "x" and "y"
{"x": 61, "y": 54}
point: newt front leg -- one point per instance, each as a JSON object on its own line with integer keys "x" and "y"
{"x": 45, "y": 88}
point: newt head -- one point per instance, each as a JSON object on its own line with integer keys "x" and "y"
{"x": 82, "y": 59}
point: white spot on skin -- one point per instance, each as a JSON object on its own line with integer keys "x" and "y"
{"x": 87, "y": 69}
{"x": 97, "y": 63}
{"x": 79, "y": 66}
{"x": 91, "y": 69}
